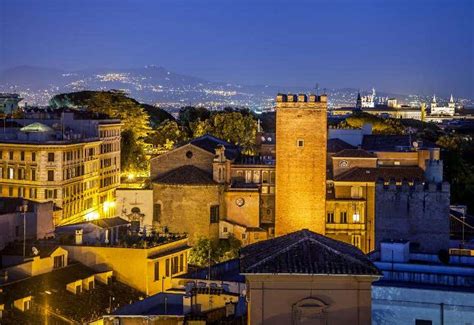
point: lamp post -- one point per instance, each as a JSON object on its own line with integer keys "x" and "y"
{"x": 24, "y": 209}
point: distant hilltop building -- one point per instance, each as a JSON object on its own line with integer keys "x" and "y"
{"x": 381, "y": 106}
{"x": 448, "y": 110}
{"x": 9, "y": 102}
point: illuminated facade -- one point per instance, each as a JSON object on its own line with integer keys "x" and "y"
{"x": 437, "y": 110}
{"x": 67, "y": 159}
{"x": 301, "y": 163}
{"x": 325, "y": 185}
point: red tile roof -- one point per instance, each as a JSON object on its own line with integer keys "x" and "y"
{"x": 360, "y": 174}
{"x": 304, "y": 252}
{"x": 186, "y": 175}
{"x": 358, "y": 153}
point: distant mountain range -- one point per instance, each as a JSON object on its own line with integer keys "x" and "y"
{"x": 158, "y": 86}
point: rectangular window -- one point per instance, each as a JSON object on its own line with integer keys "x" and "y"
{"x": 11, "y": 155}
{"x": 10, "y": 191}
{"x": 356, "y": 192}
{"x": 181, "y": 263}
{"x": 175, "y": 265}
{"x": 423, "y": 322}
{"x": 356, "y": 217}
{"x": 11, "y": 173}
{"x": 78, "y": 289}
{"x": 300, "y": 143}
{"x": 50, "y": 156}
{"x": 33, "y": 156}
{"x": 33, "y": 174}
{"x": 330, "y": 217}
{"x": 22, "y": 155}
{"x": 50, "y": 175}
{"x": 214, "y": 214}
{"x": 156, "y": 213}
{"x": 156, "y": 271}
{"x": 355, "y": 240}
{"x": 167, "y": 267}
{"x": 58, "y": 261}
{"x": 21, "y": 173}
{"x": 343, "y": 217}
{"x": 26, "y": 305}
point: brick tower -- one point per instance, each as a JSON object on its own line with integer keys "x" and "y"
{"x": 301, "y": 141}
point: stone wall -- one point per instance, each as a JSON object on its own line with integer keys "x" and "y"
{"x": 418, "y": 213}
{"x": 186, "y": 208}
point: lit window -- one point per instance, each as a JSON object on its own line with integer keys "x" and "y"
{"x": 300, "y": 143}
{"x": 396, "y": 163}
{"x": 356, "y": 217}
{"x": 11, "y": 173}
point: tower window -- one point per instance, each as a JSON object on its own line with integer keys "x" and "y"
{"x": 300, "y": 143}
{"x": 189, "y": 154}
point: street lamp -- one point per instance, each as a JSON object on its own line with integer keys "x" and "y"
{"x": 24, "y": 209}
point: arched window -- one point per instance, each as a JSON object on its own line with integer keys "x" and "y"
{"x": 309, "y": 311}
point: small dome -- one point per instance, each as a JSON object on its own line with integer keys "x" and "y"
{"x": 36, "y": 127}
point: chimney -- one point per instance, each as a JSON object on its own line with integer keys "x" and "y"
{"x": 78, "y": 236}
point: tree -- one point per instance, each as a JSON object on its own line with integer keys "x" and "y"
{"x": 167, "y": 135}
{"x": 379, "y": 125}
{"x": 132, "y": 154}
{"x": 115, "y": 104}
{"x": 232, "y": 126}
{"x": 206, "y": 251}
{"x": 188, "y": 115}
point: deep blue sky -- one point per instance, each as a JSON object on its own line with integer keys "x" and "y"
{"x": 420, "y": 46}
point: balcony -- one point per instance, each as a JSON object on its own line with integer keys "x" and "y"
{"x": 345, "y": 227}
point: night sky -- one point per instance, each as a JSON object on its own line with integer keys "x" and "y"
{"x": 397, "y": 46}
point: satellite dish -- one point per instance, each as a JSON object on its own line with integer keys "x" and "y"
{"x": 415, "y": 144}
{"x": 35, "y": 250}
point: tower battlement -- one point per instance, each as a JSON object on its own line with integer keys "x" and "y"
{"x": 285, "y": 99}
{"x": 418, "y": 213}
{"x": 417, "y": 186}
